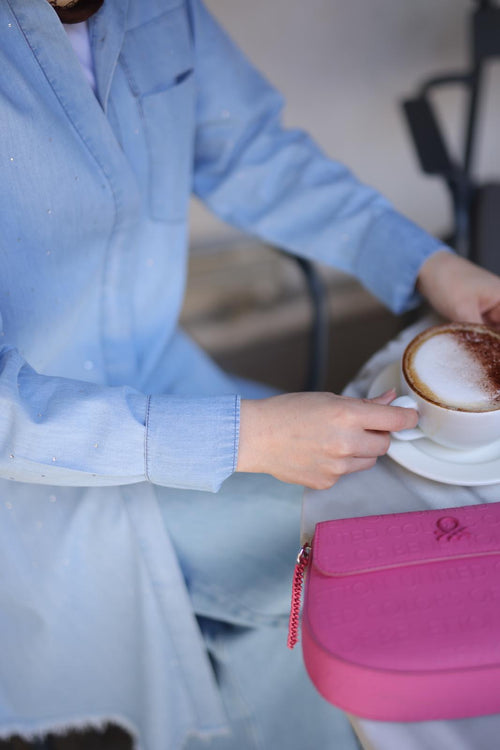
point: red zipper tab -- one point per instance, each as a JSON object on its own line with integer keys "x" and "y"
{"x": 298, "y": 582}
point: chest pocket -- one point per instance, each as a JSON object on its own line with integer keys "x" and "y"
{"x": 157, "y": 58}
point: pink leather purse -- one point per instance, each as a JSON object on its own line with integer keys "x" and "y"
{"x": 401, "y": 615}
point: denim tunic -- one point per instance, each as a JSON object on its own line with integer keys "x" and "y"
{"x": 116, "y": 430}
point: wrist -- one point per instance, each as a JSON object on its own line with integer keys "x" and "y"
{"x": 431, "y": 269}
{"x": 252, "y": 436}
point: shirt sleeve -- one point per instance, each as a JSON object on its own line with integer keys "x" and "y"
{"x": 278, "y": 185}
{"x": 61, "y": 431}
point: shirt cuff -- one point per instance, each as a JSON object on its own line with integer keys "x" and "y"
{"x": 400, "y": 248}
{"x": 192, "y": 443}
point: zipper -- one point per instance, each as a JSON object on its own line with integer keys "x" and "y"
{"x": 297, "y": 585}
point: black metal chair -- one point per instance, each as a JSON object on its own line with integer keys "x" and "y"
{"x": 476, "y": 207}
{"x": 317, "y": 361}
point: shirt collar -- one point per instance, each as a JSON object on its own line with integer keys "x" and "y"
{"x": 107, "y": 30}
{"x": 46, "y": 37}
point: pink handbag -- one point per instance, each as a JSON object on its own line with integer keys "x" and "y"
{"x": 401, "y": 615}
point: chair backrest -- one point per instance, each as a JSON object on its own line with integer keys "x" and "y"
{"x": 433, "y": 153}
{"x": 485, "y": 32}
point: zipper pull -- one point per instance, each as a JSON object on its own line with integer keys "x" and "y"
{"x": 298, "y": 581}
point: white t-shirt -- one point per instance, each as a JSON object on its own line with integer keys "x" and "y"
{"x": 78, "y": 35}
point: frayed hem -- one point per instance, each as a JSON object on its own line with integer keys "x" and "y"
{"x": 39, "y": 729}
{"x": 36, "y": 730}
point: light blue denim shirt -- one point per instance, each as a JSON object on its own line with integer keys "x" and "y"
{"x": 103, "y": 400}
{"x": 94, "y": 199}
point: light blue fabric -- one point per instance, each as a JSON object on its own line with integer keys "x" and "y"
{"x": 115, "y": 429}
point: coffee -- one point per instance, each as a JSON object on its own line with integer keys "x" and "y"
{"x": 456, "y": 366}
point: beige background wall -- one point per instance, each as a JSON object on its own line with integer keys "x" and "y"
{"x": 343, "y": 65}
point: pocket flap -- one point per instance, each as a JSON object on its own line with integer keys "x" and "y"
{"x": 158, "y": 53}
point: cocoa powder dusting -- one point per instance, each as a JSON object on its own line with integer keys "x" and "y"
{"x": 485, "y": 348}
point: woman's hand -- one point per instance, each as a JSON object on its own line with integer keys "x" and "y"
{"x": 314, "y": 438}
{"x": 460, "y": 290}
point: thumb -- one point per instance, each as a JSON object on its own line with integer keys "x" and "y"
{"x": 492, "y": 316}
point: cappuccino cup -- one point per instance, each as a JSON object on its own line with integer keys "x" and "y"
{"x": 451, "y": 375}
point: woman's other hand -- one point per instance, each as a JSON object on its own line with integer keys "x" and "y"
{"x": 460, "y": 290}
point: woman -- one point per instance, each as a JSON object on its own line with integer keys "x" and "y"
{"x": 131, "y": 592}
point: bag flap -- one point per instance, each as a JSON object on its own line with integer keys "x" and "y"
{"x": 355, "y": 545}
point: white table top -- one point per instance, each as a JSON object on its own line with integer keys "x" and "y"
{"x": 390, "y": 488}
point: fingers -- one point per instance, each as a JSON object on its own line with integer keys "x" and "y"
{"x": 361, "y": 464}
{"x": 384, "y": 418}
{"x": 385, "y": 398}
{"x": 350, "y": 465}
{"x": 373, "y": 444}
{"x": 359, "y": 444}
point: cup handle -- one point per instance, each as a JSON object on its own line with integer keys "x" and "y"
{"x": 413, "y": 433}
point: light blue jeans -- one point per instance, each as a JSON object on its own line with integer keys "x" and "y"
{"x": 237, "y": 551}
{"x": 270, "y": 702}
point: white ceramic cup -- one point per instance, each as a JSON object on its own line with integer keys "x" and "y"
{"x": 448, "y": 426}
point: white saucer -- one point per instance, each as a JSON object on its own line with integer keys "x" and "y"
{"x": 425, "y": 458}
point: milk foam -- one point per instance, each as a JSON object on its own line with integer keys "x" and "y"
{"x": 451, "y": 372}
